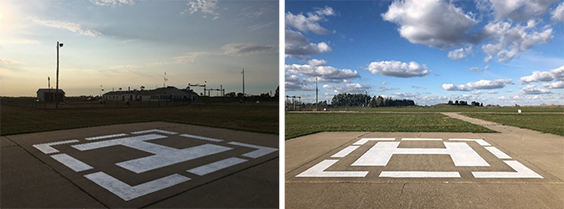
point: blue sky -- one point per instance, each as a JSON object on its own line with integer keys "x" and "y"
{"x": 132, "y": 43}
{"x": 490, "y": 51}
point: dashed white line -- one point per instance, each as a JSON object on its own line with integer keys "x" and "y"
{"x": 419, "y": 174}
{"x": 346, "y": 151}
{"x": 105, "y": 136}
{"x": 521, "y": 171}
{"x": 479, "y": 141}
{"x": 201, "y": 137}
{"x": 498, "y": 153}
{"x": 364, "y": 140}
{"x": 71, "y": 162}
{"x": 154, "y": 130}
{"x": 261, "y": 150}
{"x": 216, "y": 166}
{"x": 319, "y": 171}
{"x": 47, "y": 149}
{"x": 127, "y": 192}
{"x": 421, "y": 139}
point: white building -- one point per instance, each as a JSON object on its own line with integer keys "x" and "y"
{"x": 165, "y": 94}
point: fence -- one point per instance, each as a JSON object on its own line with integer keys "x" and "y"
{"x": 73, "y": 103}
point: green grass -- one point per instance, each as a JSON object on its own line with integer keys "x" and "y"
{"x": 308, "y": 123}
{"x": 446, "y": 108}
{"x": 547, "y": 123}
{"x": 255, "y": 118}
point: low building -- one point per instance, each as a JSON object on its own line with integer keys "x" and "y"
{"x": 165, "y": 94}
{"x": 49, "y": 95}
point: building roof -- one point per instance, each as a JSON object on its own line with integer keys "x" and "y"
{"x": 49, "y": 90}
{"x": 158, "y": 91}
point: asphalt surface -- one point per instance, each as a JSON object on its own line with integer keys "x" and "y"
{"x": 540, "y": 184}
{"x": 242, "y": 172}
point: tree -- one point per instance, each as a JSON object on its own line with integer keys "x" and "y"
{"x": 456, "y": 102}
{"x": 450, "y": 102}
{"x": 231, "y": 94}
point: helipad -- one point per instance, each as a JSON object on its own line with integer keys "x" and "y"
{"x": 155, "y": 165}
{"x": 515, "y": 169}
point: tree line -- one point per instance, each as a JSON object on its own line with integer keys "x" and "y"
{"x": 465, "y": 103}
{"x": 363, "y": 100}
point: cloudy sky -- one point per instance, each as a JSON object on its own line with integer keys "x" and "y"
{"x": 132, "y": 43}
{"x": 491, "y": 51}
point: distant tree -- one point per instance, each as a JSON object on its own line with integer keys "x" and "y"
{"x": 481, "y": 104}
{"x": 456, "y": 102}
{"x": 231, "y": 94}
{"x": 277, "y": 93}
{"x": 450, "y": 102}
{"x": 239, "y": 94}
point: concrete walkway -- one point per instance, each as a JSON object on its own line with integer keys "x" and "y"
{"x": 443, "y": 185}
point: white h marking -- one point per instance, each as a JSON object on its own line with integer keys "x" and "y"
{"x": 381, "y": 153}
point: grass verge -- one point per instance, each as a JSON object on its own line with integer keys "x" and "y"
{"x": 444, "y": 108}
{"x": 547, "y": 123}
{"x": 308, "y": 123}
{"x": 254, "y": 118}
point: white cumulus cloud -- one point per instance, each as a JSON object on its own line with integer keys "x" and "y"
{"x": 509, "y": 40}
{"x": 347, "y": 88}
{"x": 555, "y": 74}
{"x": 324, "y": 73}
{"x": 520, "y": 10}
{"x": 481, "y": 84}
{"x": 298, "y": 45}
{"x": 558, "y": 13}
{"x": 310, "y": 21}
{"x": 554, "y": 85}
{"x": 532, "y": 89}
{"x": 432, "y": 22}
{"x": 398, "y": 69}
{"x": 460, "y": 53}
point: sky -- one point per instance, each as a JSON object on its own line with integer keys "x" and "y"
{"x": 112, "y": 44}
{"x": 491, "y": 51}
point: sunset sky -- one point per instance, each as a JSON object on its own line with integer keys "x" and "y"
{"x": 490, "y": 51}
{"x": 132, "y": 43}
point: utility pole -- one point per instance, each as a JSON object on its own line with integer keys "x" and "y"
{"x": 59, "y": 45}
{"x": 316, "y": 95}
{"x": 243, "y": 72}
{"x": 164, "y": 80}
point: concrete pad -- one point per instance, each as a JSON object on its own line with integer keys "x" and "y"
{"x": 27, "y": 182}
{"x": 6, "y": 142}
{"x": 387, "y": 185}
{"x": 138, "y": 165}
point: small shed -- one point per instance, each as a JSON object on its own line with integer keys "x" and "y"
{"x": 49, "y": 95}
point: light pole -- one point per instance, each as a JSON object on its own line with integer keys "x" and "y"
{"x": 59, "y": 45}
{"x": 243, "y": 73}
{"x": 101, "y": 90}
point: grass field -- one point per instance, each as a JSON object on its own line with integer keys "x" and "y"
{"x": 547, "y": 123}
{"x": 308, "y": 123}
{"x": 256, "y": 118}
{"x": 446, "y": 108}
